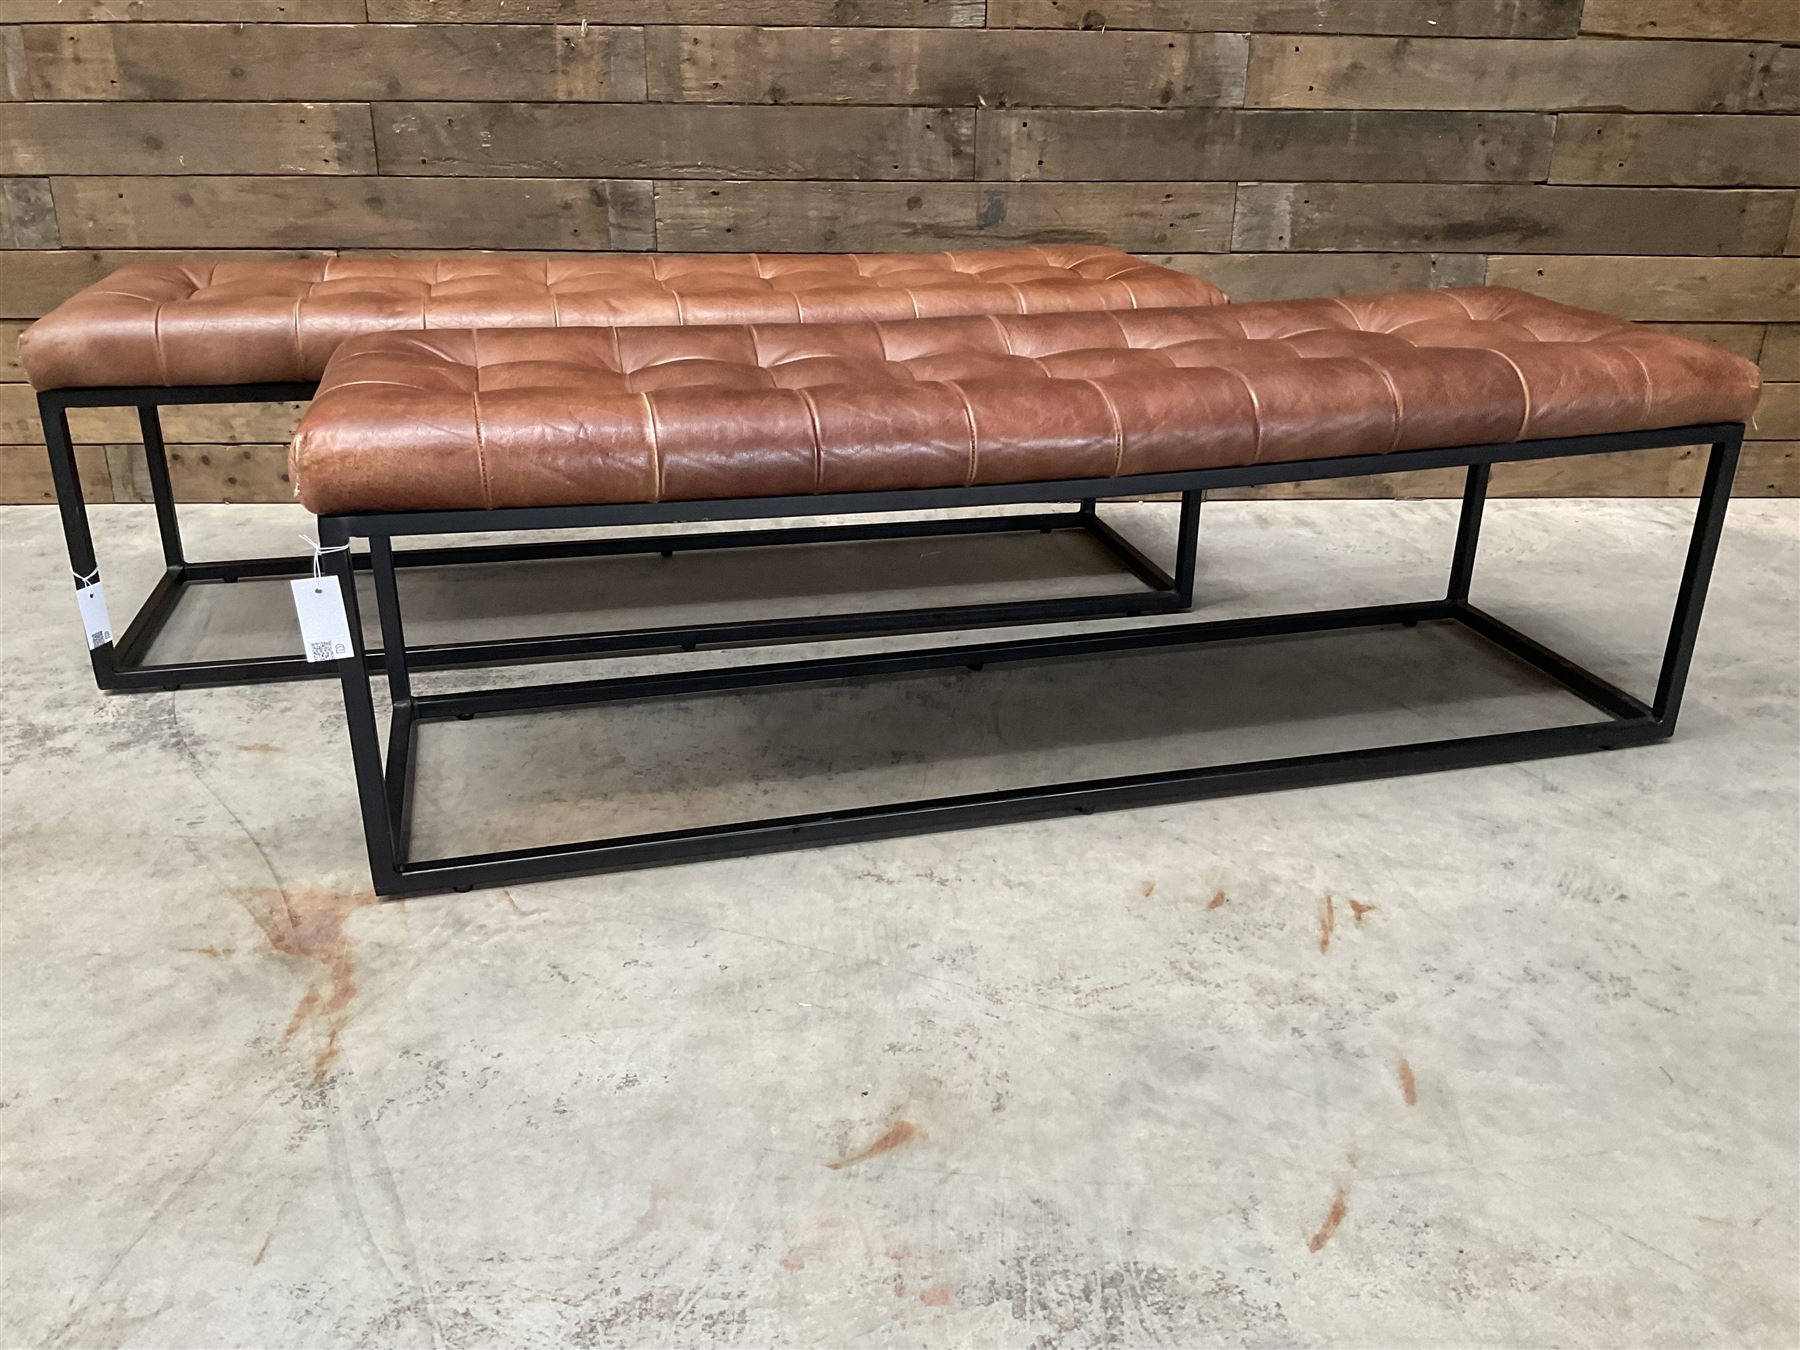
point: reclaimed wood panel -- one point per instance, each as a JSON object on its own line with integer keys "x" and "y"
{"x": 942, "y": 67}
{"x": 37, "y": 281}
{"x": 1781, "y": 352}
{"x": 1424, "y": 18}
{"x": 199, "y": 11}
{"x": 1230, "y": 144}
{"x": 223, "y": 423}
{"x": 1764, "y": 20}
{"x": 1741, "y": 339}
{"x": 1376, "y": 72}
{"x": 11, "y": 372}
{"x": 1297, "y": 276}
{"x": 27, "y": 214}
{"x": 1778, "y": 414}
{"x": 1378, "y": 216}
{"x": 185, "y": 138}
{"x": 872, "y": 217}
{"x": 25, "y": 474}
{"x": 533, "y": 213}
{"x": 1741, "y": 290}
{"x": 1693, "y": 151}
{"x": 881, "y": 13}
{"x": 674, "y": 141}
{"x": 329, "y": 62}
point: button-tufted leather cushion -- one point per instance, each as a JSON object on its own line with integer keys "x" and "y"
{"x": 242, "y": 322}
{"x": 520, "y": 417}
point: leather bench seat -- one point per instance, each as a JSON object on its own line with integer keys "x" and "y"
{"x": 546, "y": 417}
{"x": 230, "y": 323}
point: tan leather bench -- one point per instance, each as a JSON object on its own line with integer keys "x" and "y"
{"x": 418, "y": 434}
{"x": 257, "y": 332}
{"x": 227, "y": 323}
{"x": 479, "y": 419}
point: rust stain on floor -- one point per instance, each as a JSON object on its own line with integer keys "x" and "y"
{"x": 1149, "y": 888}
{"x": 217, "y": 953}
{"x": 1409, "y": 1086}
{"x": 1217, "y": 901}
{"x": 1327, "y": 922}
{"x": 308, "y": 922}
{"x": 937, "y": 1296}
{"x": 1340, "y": 1206}
{"x": 261, "y": 748}
{"x": 1358, "y": 909}
{"x": 792, "y": 1262}
{"x": 900, "y": 1132}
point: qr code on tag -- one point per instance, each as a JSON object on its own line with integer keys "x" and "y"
{"x": 328, "y": 651}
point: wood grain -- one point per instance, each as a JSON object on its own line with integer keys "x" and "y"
{"x": 1781, "y": 352}
{"x": 326, "y": 62}
{"x": 1425, "y": 18}
{"x": 1692, "y": 151}
{"x": 224, "y": 423}
{"x": 865, "y": 217}
{"x": 185, "y": 138}
{"x": 25, "y": 475}
{"x": 882, "y": 13}
{"x": 1741, "y": 290}
{"x": 1778, "y": 414}
{"x": 1296, "y": 276}
{"x": 1378, "y": 216}
{"x": 943, "y": 67}
{"x": 1229, "y": 144}
{"x": 201, "y": 11}
{"x": 1765, "y": 20}
{"x": 533, "y": 213}
{"x": 27, "y": 214}
{"x": 1374, "y": 72}
{"x": 1741, "y": 339}
{"x": 674, "y": 141}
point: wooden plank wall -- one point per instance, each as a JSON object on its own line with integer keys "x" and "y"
{"x": 1640, "y": 156}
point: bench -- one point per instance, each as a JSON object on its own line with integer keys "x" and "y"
{"x": 419, "y": 434}
{"x": 155, "y": 335}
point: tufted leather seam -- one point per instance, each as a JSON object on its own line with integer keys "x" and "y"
{"x": 156, "y": 343}
{"x": 818, "y": 439}
{"x": 1118, "y": 426}
{"x": 1130, "y": 294}
{"x": 1355, "y": 319}
{"x": 1469, "y": 313}
{"x": 298, "y": 302}
{"x": 618, "y": 354}
{"x": 1644, "y": 406}
{"x": 487, "y": 491}
{"x": 1005, "y": 334}
{"x": 1394, "y": 391}
{"x": 969, "y": 417}
{"x": 1256, "y": 421}
{"x": 656, "y": 464}
{"x": 1524, "y": 389}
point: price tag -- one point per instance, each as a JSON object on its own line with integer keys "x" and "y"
{"x": 324, "y": 627}
{"x": 92, "y": 600}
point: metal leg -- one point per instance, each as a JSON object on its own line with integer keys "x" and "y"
{"x": 1703, "y": 547}
{"x": 1468, "y": 531}
{"x": 379, "y": 825}
{"x": 66, "y": 478}
{"x": 162, "y": 492}
{"x": 1187, "y": 547}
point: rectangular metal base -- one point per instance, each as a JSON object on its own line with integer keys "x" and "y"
{"x": 384, "y": 777}
{"x": 122, "y": 666}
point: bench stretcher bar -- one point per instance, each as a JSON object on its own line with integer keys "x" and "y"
{"x": 384, "y": 779}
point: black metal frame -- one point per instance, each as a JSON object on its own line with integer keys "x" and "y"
{"x": 119, "y": 666}
{"x": 384, "y": 781}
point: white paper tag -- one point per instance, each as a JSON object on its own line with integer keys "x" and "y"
{"x": 324, "y": 627}
{"x": 94, "y": 617}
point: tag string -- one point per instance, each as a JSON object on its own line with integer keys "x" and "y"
{"x": 91, "y": 579}
{"x": 318, "y": 551}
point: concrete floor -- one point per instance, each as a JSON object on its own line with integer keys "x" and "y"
{"x": 1502, "y": 1057}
